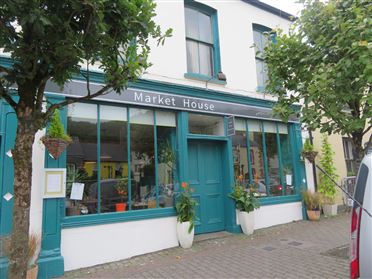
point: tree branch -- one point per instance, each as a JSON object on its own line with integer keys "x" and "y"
{"x": 52, "y": 108}
{"x": 4, "y": 94}
{"x": 5, "y": 70}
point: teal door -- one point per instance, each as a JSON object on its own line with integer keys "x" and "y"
{"x": 206, "y": 178}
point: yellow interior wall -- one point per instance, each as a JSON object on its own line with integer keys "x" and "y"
{"x": 339, "y": 157}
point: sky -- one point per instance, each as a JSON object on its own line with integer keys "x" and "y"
{"x": 289, "y": 6}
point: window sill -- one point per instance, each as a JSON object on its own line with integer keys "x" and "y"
{"x": 279, "y": 199}
{"x": 205, "y": 78}
{"x": 116, "y": 217}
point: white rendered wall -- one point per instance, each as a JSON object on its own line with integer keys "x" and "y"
{"x": 235, "y": 19}
{"x": 92, "y": 245}
{"x": 271, "y": 215}
{"x": 36, "y": 209}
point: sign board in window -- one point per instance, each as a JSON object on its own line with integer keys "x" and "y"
{"x": 230, "y": 126}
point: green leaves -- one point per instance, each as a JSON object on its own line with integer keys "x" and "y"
{"x": 245, "y": 199}
{"x": 185, "y": 206}
{"x": 325, "y": 62}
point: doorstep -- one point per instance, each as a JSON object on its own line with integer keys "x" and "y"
{"x": 211, "y": 236}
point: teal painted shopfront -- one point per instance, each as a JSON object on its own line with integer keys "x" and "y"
{"x": 147, "y": 141}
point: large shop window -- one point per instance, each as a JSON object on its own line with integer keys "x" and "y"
{"x": 201, "y": 40}
{"x": 121, "y": 159}
{"x": 263, "y": 157}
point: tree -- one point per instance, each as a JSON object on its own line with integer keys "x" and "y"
{"x": 325, "y": 61}
{"x": 326, "y": 185}
{"x": 50, "y": 40}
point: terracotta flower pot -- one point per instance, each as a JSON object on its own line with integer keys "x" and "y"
{"x": 313, "y": 215}
{"x": 55, "y": 146}
{"x": 122, "y": 206}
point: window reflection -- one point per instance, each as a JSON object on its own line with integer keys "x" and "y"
{"x": 114, "y": 159}
{"x": 257, "y": 156}
{"x": 82, "y": 159}
{"x": 286, "y": 152}
{"x": 142, "y": 158}
{"x": 275, "y": 187}
{"x": 166, "y": 141}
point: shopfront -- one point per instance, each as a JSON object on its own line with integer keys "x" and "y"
{"x": 130, "y": 152}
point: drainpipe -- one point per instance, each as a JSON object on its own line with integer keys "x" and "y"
{"x": 314, "y": 168}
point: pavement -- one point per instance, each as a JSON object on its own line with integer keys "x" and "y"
{"x": 302, "y": 249}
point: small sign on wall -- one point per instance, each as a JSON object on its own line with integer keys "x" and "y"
{"x": 230, "y": 126}
{"x": 54, "y": 183}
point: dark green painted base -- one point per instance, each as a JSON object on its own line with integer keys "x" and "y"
{"x": 234, "y": 229}
{"x": 4, "y": 267}
{"x": 50, "y": 267}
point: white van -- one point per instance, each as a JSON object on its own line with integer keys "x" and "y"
{"x": 361, "y": 223}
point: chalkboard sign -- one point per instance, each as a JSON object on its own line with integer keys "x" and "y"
{"x": 230, "y": 126}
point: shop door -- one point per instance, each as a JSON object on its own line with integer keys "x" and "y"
{"x": 6, "y": 172}
{"x": 206, "y": 178}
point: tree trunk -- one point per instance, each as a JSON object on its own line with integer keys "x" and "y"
{"x": 358, "y": 149}
{"x": 22, "y": 156}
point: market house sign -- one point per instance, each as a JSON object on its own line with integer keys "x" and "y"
{"x": 169, "y": 101}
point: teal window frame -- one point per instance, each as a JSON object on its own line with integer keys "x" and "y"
{"x": 269, "y": 200}
{"x": 216, "y": 60}
{"x": 261, "y": 29}
{"x": 130, "y": 215}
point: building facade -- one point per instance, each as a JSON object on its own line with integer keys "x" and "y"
{"x": 199, "y": 115}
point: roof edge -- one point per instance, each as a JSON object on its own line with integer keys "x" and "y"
{"x": 271, "y": 9}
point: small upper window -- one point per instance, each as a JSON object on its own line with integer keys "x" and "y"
{"x": 260, "y": 40}
{"x": 201, "y": 41}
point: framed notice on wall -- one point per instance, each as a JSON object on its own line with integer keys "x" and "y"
{"x": 54, "y": 183}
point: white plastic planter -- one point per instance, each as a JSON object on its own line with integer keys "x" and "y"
{"x": 246, "y": 221}
{"x": 330, "y": 209}
{"x": 184, "y": 237}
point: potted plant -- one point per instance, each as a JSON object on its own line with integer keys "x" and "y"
{"x": 185, "y": 208}
{"x": 246, "y": 202}
{"x": 326, "y": 185}
{"x": 313, "y": 203}
{"x": 56, "y": 140}
{"x": 33, "y": 246}
{"x": 308, "y": 151}
{"x": 122, "y": 190}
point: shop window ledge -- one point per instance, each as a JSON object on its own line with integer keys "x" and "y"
{"x": 116, "y": 217}
{"x": 279, "y": 200}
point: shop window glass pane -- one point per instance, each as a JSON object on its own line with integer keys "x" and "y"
{"x": 286, "y": 152}
{"x": 275, "y": 186}
{"x": 205, "y": 56}
{"x": 240, "y": 124}
{"x": 205, "y": 124}
{"x": 82, "y": 158}
{"x": 241, "y": 174}
{"x": 192, "y": 57}
{"x": 167, "y": 159}
{"x": 114, "y": 159}
{"x": 257, "y": 156}
{"x": 142, "y": 157}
